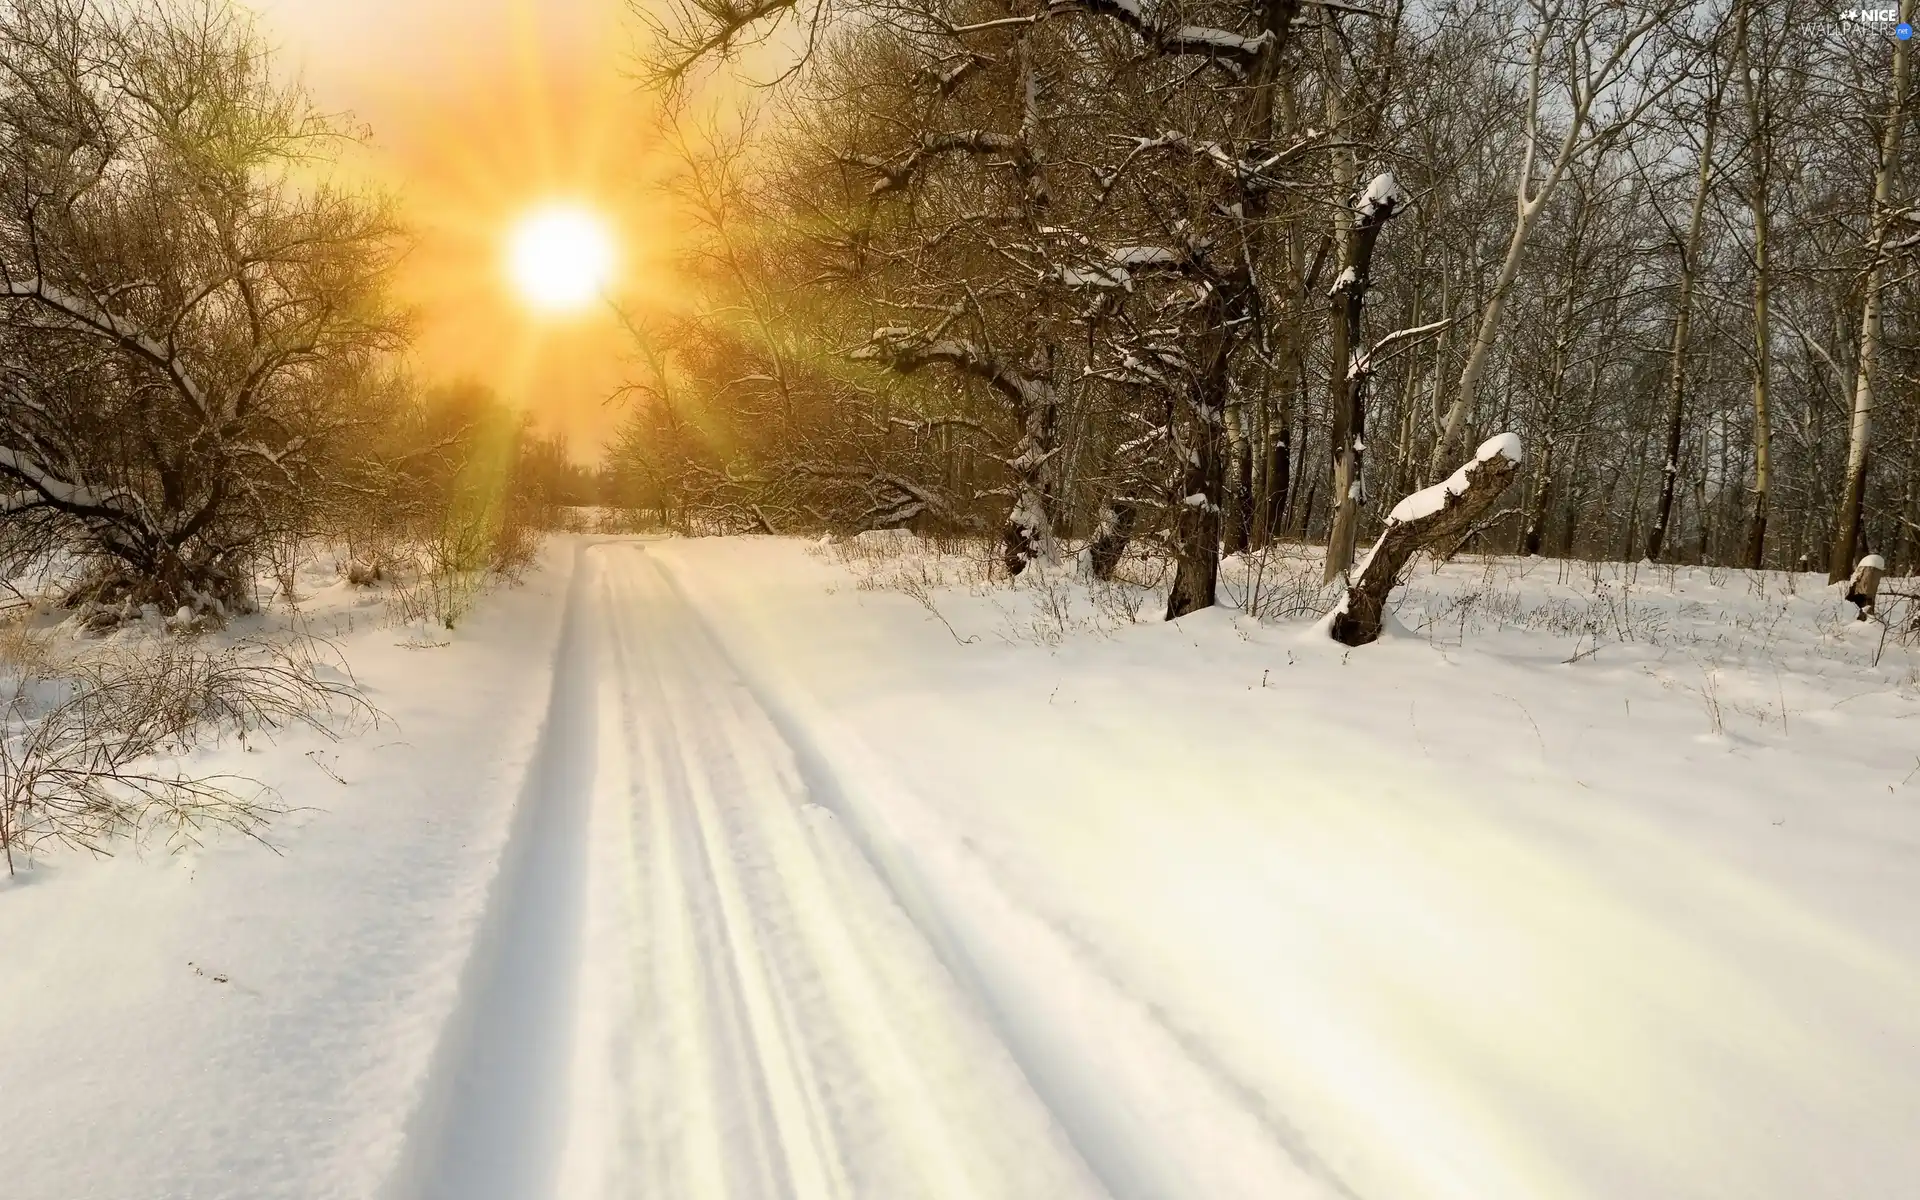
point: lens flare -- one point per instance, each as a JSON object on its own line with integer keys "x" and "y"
{"x": 560, "y": 258}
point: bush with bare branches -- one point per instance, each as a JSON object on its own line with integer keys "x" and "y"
{"x": 93, "y": 744}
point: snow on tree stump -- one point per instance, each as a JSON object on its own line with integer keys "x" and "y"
{"x": 1863, "y": 590}
{"x": 1110, "y": 536}
{"x": 1441, "y": 515}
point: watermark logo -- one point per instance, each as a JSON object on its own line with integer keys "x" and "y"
{"x": 1878, "y": 18}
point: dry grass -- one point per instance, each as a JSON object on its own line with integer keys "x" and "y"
{"x": 1063, "y": 597}
{"x": 92, "y": 740}
{"x": 1722, "y": 617}
{"x": 434, "y": 580}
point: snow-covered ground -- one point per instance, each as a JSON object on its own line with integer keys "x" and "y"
{"x": 235, "y": 1023}
{"x": 751, "y": 868}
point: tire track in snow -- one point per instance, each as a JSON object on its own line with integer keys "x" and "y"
{"x": 765, "y": 1021}
{"x": 1151, "y": 1111}
{"x": 688, "y": 984}
{"x": 493, "y": 1118}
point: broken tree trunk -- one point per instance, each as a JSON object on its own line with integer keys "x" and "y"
{"x": 1437, "y": 516}
{"x": 1863, "y": 590}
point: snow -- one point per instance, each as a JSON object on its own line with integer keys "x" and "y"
{"x": 233, "y": 1022}
{"x": 765, "y": 867}
{"x": 1225, "y": 39}
{"x": 1501, "y": 445}
{"x": 1874, "y": 561}
{"x": 1383, "y": 192}
{"x": 1261, "y": 918}
{"x": 1144, "y": 256}
{"x": 1095, "y": 277}
{"x": 1430, "y": 500}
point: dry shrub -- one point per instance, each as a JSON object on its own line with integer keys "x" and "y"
{"x": 450, "y": 567}
{"x": 1280, "y": 582}
{"x": 516, "y": 543}
{"x": 90, "y": 742}
{"x": 899, "y": 560}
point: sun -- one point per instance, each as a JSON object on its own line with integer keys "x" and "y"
{"x": 560, "y": 258}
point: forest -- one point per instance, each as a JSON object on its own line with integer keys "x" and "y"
{"x": 1184, "y": 279}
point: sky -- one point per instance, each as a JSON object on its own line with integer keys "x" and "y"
{"x": 478, "y": 111}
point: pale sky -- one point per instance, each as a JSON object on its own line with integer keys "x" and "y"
{"x": 479, "y": 111}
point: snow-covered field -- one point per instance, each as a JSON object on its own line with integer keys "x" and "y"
{"x": 753, "y": 868}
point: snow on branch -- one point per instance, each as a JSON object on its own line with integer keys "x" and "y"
{"x": 1250, "y": 172}
{"x": 1184, "y": 39}
{"x": 1365, "y": 362}
{"x": 906, "y": 352}
{"x": 111, "y": 326}
{"x": 1232, "y": 50}
{"x": 899, "y": 173}
{"x": 898, "y": 500}
{"x": 1428, "y": 501}
{"x": 1383, "y": 198}
{"x": 1146, "y": 256}
{"x": 44, "y": 488}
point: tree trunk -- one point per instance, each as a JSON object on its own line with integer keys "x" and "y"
{"x": 1110, "y": 536}
{"x": 1573, "y": 496}
{"x": 1863, "y": 589}
{"x": 1633, "y": 500}
{"x": 1028, "y": 532}
{"x": 1231, "y": 307}
{"x": 1682, "y": 324}
{"x": 1759, "y": 120}
{"x": 1350, "y": 370}
{"x": 1344, "y": 300}
{"x": 1537, "y": 505}
{"x": 1196, "y": 516}
{"x": 1846, "y": 535}
{"x": 1235, "y": 523}
{"x": 1280, "y": 476}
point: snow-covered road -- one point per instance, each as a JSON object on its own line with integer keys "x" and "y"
{"x": 695, "y": 872}
{"x": 726, "y": 1003}
{"x": 857, "y": 921}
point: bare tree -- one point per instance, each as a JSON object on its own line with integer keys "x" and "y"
{"x": 180, "y": 321}
{"x": 1688, "y": 248}
{"x": 1613, "y": 76}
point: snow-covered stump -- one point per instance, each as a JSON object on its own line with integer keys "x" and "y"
{"x": 1110, "y": 536}
{"x": 1027, "y": 535}
{"x": 1863, "y": 590}
{"x": 1441, "y": 515}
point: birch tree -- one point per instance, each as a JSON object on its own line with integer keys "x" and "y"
{"x": 1846, "y": 534}
{"x": 1614, "y": 71}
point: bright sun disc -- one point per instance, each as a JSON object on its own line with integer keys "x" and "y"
{"x": 561, "y": 259}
